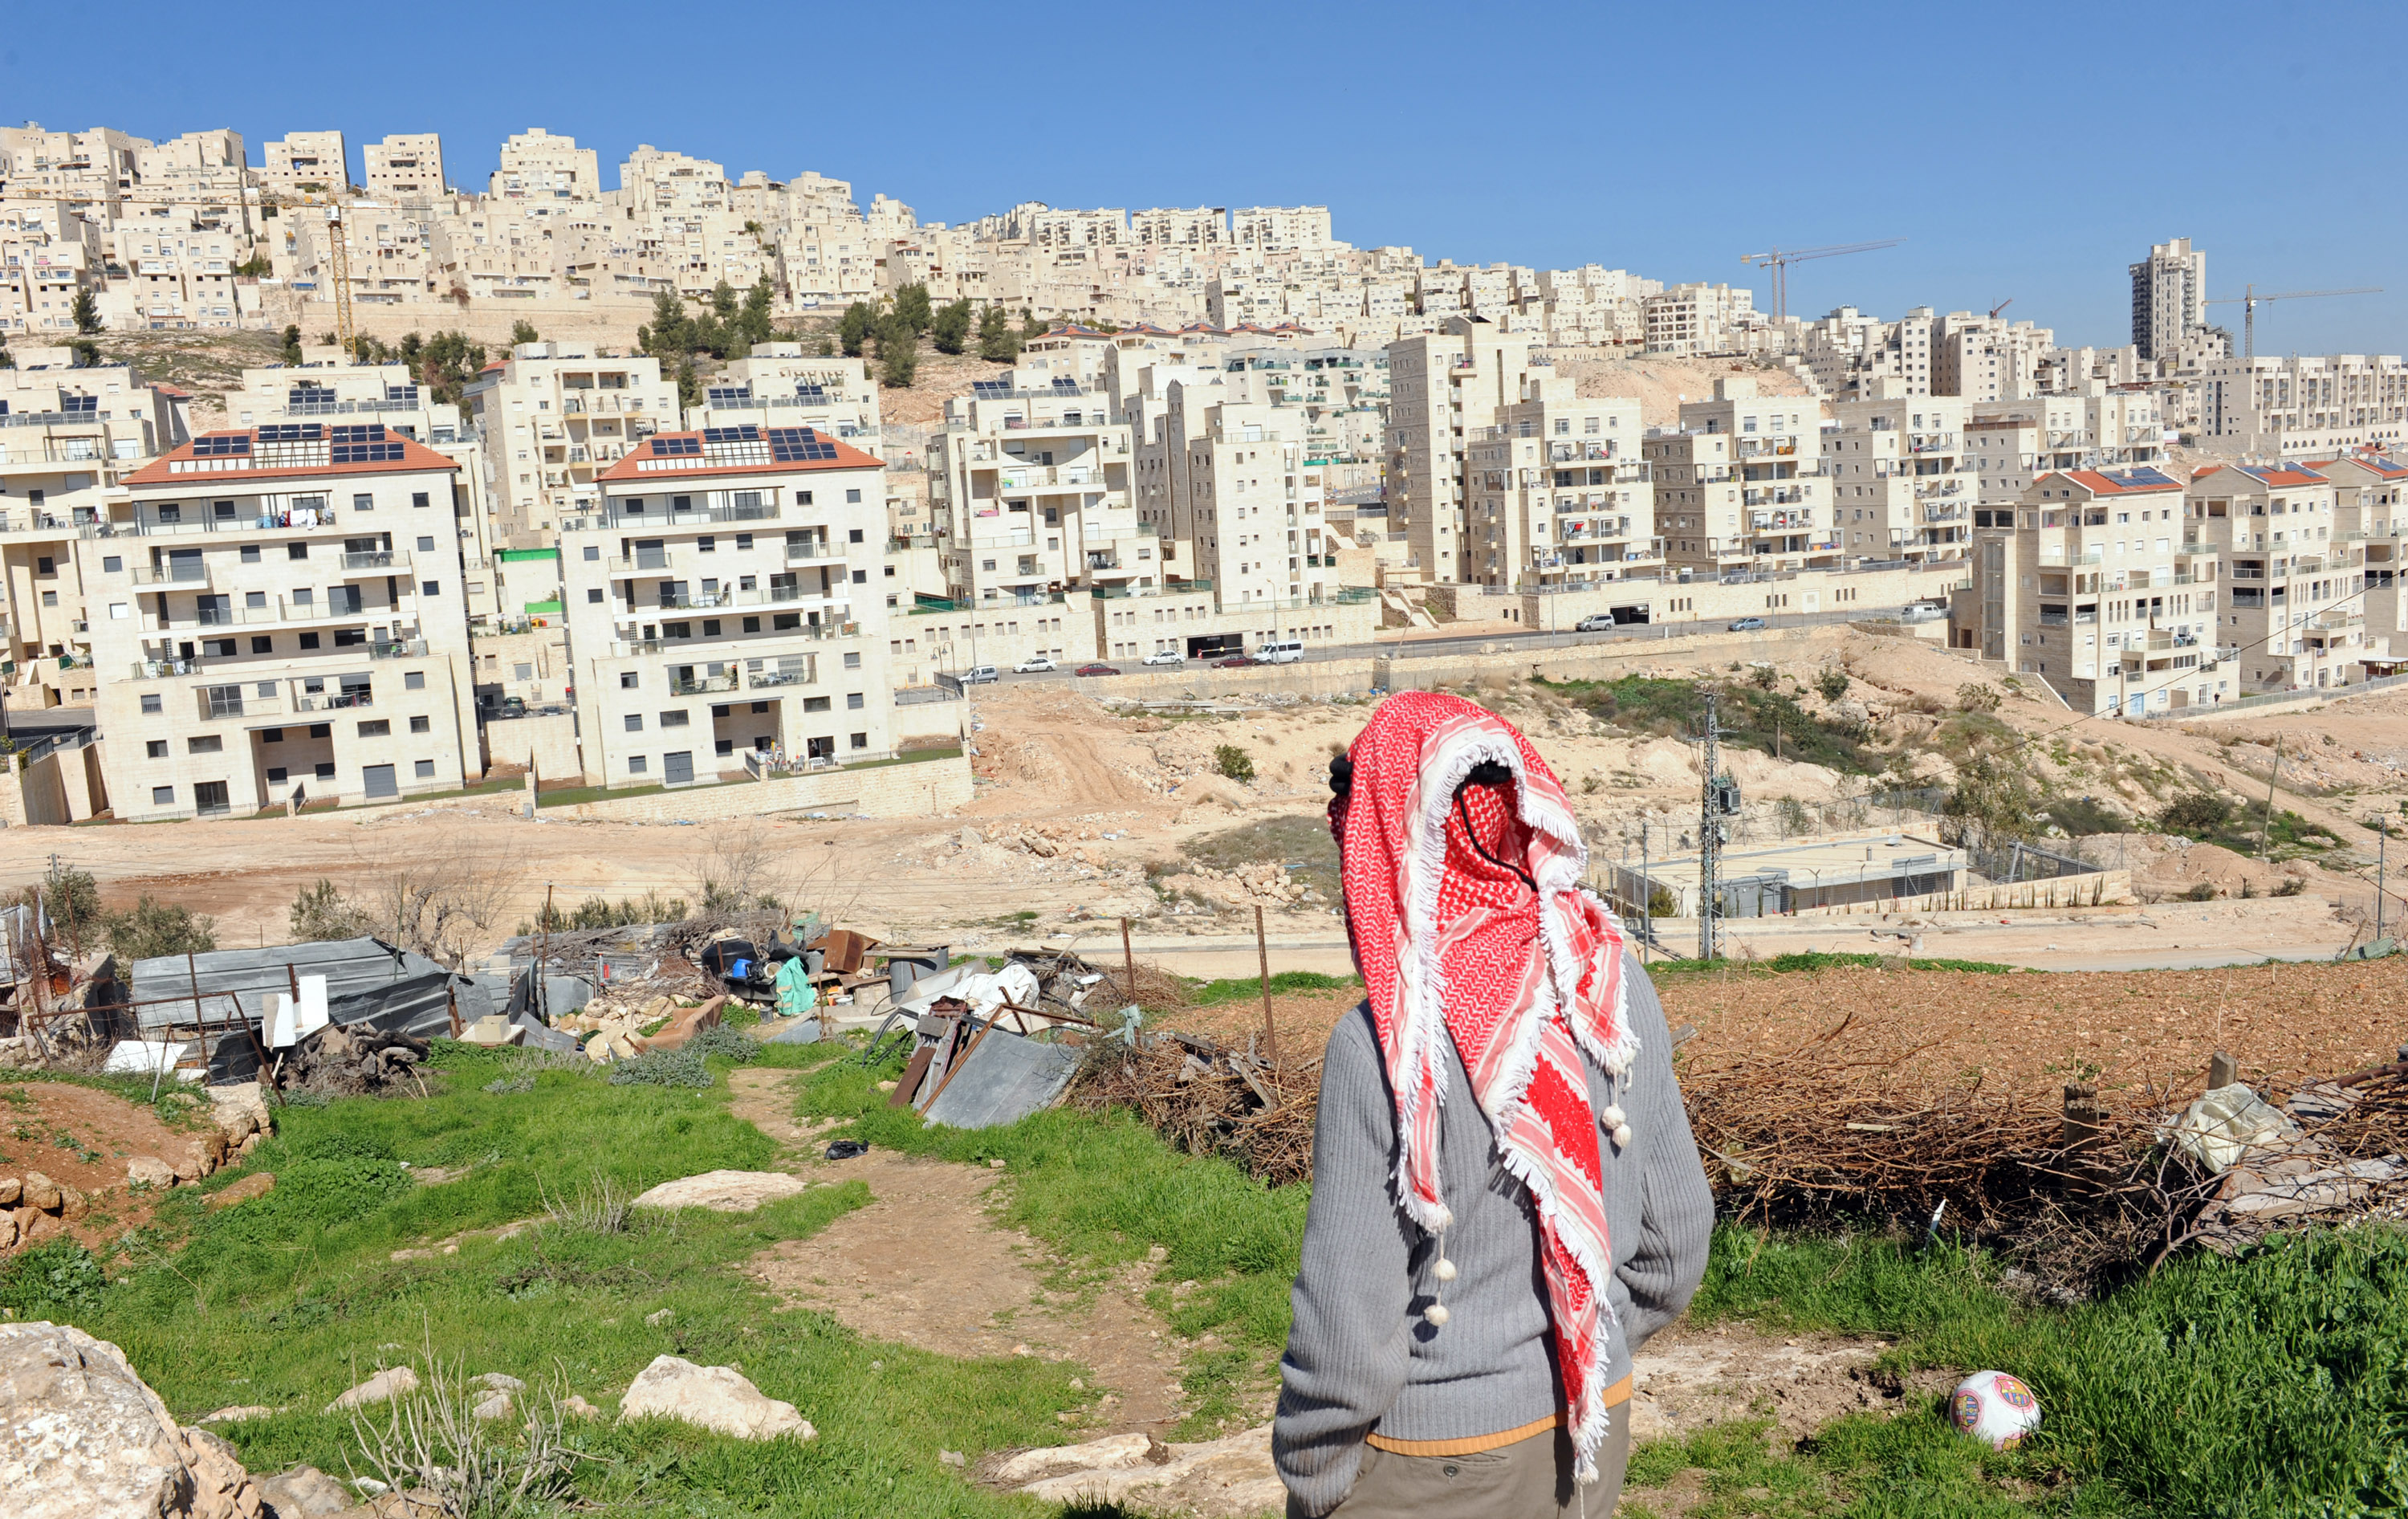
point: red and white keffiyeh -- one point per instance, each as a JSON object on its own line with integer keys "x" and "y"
{"x": 1523, "y": 980}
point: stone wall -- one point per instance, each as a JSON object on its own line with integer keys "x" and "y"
{"x": 926, "y": 788}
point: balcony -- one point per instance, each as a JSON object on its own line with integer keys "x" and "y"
{"x": 637, "y": 564}
{"x": 386, "y": 559}
{"x": 397, "y": 649}
{"x": 771, "y": 680}
{"x": 702, "y": 685}
{"x": 218, "y": 703}
{"x": 196, "y": 572}
{"x": 814, "y": 552}
{"x": 2053, "y": 557}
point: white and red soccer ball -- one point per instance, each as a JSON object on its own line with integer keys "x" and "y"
{"x": 1995, "y": 1408}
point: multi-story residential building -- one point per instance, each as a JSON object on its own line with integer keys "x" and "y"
{"x": 1032, "y": 487}
{"x": 1442, "y": 389}
{"x": 279, "y": 613}
{"x": 1280, "y": 229}
{"x": 1560, "y": 492}
{"x": 1247, "y": 511}
{"x": 406, "y": 166}
{"x": 551, "y": 417}
{"x": 1697, "y": 318}
{"x": 91, "y": 171}
{"x": 49, "y": 255}
{"x": 1171, "y": 226}
{"x": 1903, "y": 482}
{"x": 1741, "y": 485}
{"x": 2293, "y": 609}
{"x": 68, "y": 440}
{"x": 2291, "y": 408}
{"x": 1988, "y": 358}
{"x": 2371, "y": 512}
{"x": 173, "y": 276}
{"x": 2100, "y": 428}
{"x": 307, "y": 164}
{"x": 723, "y": 600}
{"x": 778, "y": 385}
{"x": 2102, "y": 588}
{"x": 537, "y": 167}
{"x": 2169, "y": 297}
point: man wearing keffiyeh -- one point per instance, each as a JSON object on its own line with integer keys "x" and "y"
{"x": 1506, "y": 1199}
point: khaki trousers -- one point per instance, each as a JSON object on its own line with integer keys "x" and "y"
{"x": 1530, "y": 1479}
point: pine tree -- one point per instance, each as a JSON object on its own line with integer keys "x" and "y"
{"x": 87, "y": 313}
{"x": 950, "y": 326}
{"x": 911, "y": 305}
{"x": 855, "y": 329}
{"x": 523, "y": 331}
{"x": 723, "y": 299}
{"x": 997, "y": 342}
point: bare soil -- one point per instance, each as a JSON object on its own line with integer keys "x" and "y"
{"x": 84, "y": 1137}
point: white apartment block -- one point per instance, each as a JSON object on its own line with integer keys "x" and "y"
{"x": 778, "y": 385}
{"x": 1246, "y": 516}
{"x": 1032, "y": 486}
{"x": 49, "y": 255}
{"x": 1559, "y": 494}
{"x": 654, "y": 181}
{"x": 1442, "y": 389}
{"x": 1280, "y": 229}
{"x": 1699, "y": 319}
{"x": 279, "y": 619}
{"x": 1849, "y": 353}
{"x": 69, "y": 439}
{"x": 1903, "y": 482}
{"x": 2104, "y": 589}
{"x": 1741, "y": 485}
{"x": 307, "y": 164}
{"x": 2169, "y": 299}
{"x": 175, "y": 276}
{"x": 405, "y": 166}
{"x": 1988, "y": 358}
{"x": 537, "y": 167}
{"x": 552, "y": 417}
{"x": 2291, "y": 407}
{"x": 392, "y": 252}
{"x": 724, "y": 601}
{"x": 1173, "y": 226}
{"x": 2294, "y": 611}
{"x": 2012, "y": 445}
{"x": 2370, "y": 510}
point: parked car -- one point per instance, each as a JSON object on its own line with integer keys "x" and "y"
{"x": 1166, "y": 656}
{"x": 1236, "y": 662}
{"x": 1921, "y": 611}
{"x": 514, "y": 707}
{"x": 1595, "y": 622}
{"x": 1279, "y": 651}
{"x": 979, "y": 675}
{"x": 1035, "y": 664}
{"x": 1095, "y": 670}
{"x": 1747, "y": 624}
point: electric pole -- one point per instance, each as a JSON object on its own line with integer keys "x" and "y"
{"x": 1709, "y": 902}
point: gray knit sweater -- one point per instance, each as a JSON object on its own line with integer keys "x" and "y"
{"x": 1360, "y": 1357}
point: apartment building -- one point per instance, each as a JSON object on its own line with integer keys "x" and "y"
{"x": 2169, "y": 297}
{"x": 1560, "y": 497}
{"x": 537, "y": 167}
{"x": 307, "y": 164}
{"x": 2102, "y": 428}
{"x": 1741, "y": 484}
{"x": 1988, "y": 358}
{"x": 1280, "y": 229}
{"x": 49, "y": 255}
{"x": 1903, "y": 476}
{"x": 68, "y": 440}
{"x": 1697, "y": 318}
{"x": 1247, "y": 505}
{"x": 2294, "y": 611}
{"x": 2299, "y": 405}
{"x": 778, "y": 385}
{"x": 405, "y": 166}
{"x": 1173, "y": 226}
{"x": 551, "y": 418}
{"x": 2371, "y": 511}
{"x": 1443, "y": 388}
{"x": 279, "y": 612}
{"x": 724, "y": 602}
{"x": 2103, "y": 589}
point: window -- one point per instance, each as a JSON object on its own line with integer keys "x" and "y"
{"x": 417, "y": 498}
{"x": 710, "y": 627}
{"x": 627, "y": 680}
{"x": 376, "y": 727}
{"x": 853, "y": 701}
{"x": 853, "y": 657}
{"x": 785, "y": 622}
{"x": 421, "y": 724}
{"x": 673, "y": 720}
{"x": 752, "y": 624}
{"x": 635, "y": 765}
{"x": 593, "y": 551}
{"x": 422, "y": 769}
{"x": 309, "y": 641}
{"x": 413, "y": 680}
{"x": 251, "y": 553}
{"x": 594, "y": 599}
{"x": 677, "y": 630}
{"x": 706, "y": 544}
{"x": 322, "y": 770}
{"x": 150, "y": 704}
{"x": 112, "y": 563}
{"x": 296, "y": 550}
{"x": 425, "y": 545}
{"x": 743, "y": 540}
{"x": 634, "y": 722}
{"x": 345, "y": 637}
{"x": 162, "y": 796}
{"x": 861, "y": 741}
{"x": 207, "y": 744}
{"x": 430, "y": 588}
{"x": 853, "y": 537}
{"x": 363, "y": 502}
{"x": 271, "y": 736}
{"x": 815, "y": 704}
{"x": 322, "y": 730}
{"x": 276, "y": 775}
{"x": 853, "y": 499}
{"x": 262, "y": 644}
{"x": 156, "y": 749}
{"x": 802, "y": 498}
{"x": 861, "y": 577}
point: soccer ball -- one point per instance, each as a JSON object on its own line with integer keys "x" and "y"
{"x": 1995, "y": 1408}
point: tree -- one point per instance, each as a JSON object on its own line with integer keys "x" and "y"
{"x": 755, "y": 319}
{"x": 320, "y": 912}
{"x": 1032, "y": 325}
{"x": 523, "y": 331}
{"x": 950, "y": 326}
{"x": 911, "y": 305}
{"x": 669, "y": 335}
{"x": 1993, "y": 803}
{"x": 722, "y": 300}
{"x": 997, "y": 342}
{"x": 71, "y": 898}
{"x": 827, "y": 347}
{"x": 292, "y": 345}
{"x": 87, "y": 353}
{"x": 446, "y": 363}
{"x": 899, "y": 351}
{"x": 1832, "y": 683}
{"x": 855, "y": 330}
{"x": 689, "y": 385}
{"x": 87, "y": 313}
{"x": 152, "y": 928}
{"x": 2199, "y": 814}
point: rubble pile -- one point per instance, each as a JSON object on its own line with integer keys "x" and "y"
{"x": 348, "y": 1062}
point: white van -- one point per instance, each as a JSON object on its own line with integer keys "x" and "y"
{"x": 1279, "y": 651}
{"x": 978, "y": 675}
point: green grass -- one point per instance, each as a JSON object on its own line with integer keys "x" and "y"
{"x": 1819, "y": 960}
{"x": 1241, "y": 988}
{"x": 286, "y": 1299}
{"x": 1748, "y": 716}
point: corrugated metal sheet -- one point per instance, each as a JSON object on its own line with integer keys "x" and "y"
{"x": 253, "y": 977}
{"x": 419, "y": 1006}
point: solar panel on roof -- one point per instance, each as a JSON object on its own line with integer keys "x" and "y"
{"x": 291, "y": 432}
{"x": 723, "y": 395}
{"x": 673, "y": 446}
{"x": 360, "y": 433}
{"x": 748, "y": 433}
{"x": 799, "y": 445}
{"x": 811, "y": 393}
{"x": 1064, "y": 382}
{"x": 220, "y": 447}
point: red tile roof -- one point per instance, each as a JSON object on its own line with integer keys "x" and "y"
{"x": 308, "y": 452}
{"x": 2136, "y": 482}
{"x": 666, "y": 458}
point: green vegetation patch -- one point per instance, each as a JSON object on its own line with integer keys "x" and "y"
{"x": 1750, "y": 716}
{"x": 1299, "y": 840}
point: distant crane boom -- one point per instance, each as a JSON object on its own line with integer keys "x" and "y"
{"x": 2001, "y": 307}
{"x": 2250, "y": 300}
{"x": 1779, "y": 259}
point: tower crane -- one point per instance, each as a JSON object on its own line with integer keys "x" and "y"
{"x": 2250, "y": 300}
{"x": 2001, "y": 307}
{"x": 1779, "y": 259}
{"x": 344, "y": 336}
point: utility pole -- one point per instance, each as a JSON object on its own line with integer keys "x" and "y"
{"x": 2266, "y": 819}
{"x": 1707, "y": 855}
{"x": 2381, "y": 840}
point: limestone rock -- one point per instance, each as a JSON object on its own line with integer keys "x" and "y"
{"x": 723, "y": 1192}
{"x": 237, "y": 1413}
{"x": 149, "y": 1171}
{"x": 73, "y": 1204}
{"x": 390, "y": 1382}
{"x": 304, "y": 1493}
{"x": 579, "y": 1407}
{"x": 10, "y": 1228}
{"x": 500, "y": 1382}
{"x": 259, "y": 1185}
{"x": 82, "y": 1437}
{"x": 715, "y": 1397}
{"x": 494, "y": 1405}
{"x": 12, "y": 1189}
{"x": 1218, "y": 1478}
{"x": 42, "y": 1192}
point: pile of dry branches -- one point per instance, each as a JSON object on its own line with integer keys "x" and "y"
{"x": 1207, "y": 1100}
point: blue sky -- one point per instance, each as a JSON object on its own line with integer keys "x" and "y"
{"x": 2030, "y": 152}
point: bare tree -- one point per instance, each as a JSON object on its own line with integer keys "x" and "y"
{"x": 747, "y": 867}
{"x": 443, "y": 897}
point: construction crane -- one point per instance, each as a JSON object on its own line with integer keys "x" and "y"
{"x": 344, "y": 336}
{"x": 1779, "y": 259}
{"x": 2001, "y": 307}
{"x": 2251, "y": 300}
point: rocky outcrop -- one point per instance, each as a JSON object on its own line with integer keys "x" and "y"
{"x": 1218, "y": 1478}
{"x": 82, "y": 1437}
{"x": 388, "y": 1383}
{"x": 715, "y": 1397}
{"x": 723, "y": 1192}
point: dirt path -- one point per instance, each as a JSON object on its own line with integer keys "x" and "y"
{"x": 926, "y": 1264}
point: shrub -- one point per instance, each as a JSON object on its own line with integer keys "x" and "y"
{"x": 57, "y": 1279}
{"x": 2291, "y": 886}
{"x": 1832, "y": 683}
{"x": 1661, "y": 903}
{"x": 740, "y": 1048}
{"x": 1233, "y": 762}
{"x": 2199, "y": 814}
{"x": 661, "y": 1068}
{"x": 320, "y": 912}
{"x": 152, "y": 928}
{"x": 2204, "y": 891}
{"x": 1973, "y": 696}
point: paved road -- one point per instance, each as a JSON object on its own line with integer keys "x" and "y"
{"x": 1486, "y": 643}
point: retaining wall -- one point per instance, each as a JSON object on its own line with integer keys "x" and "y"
{"x": 922, "y": 789}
